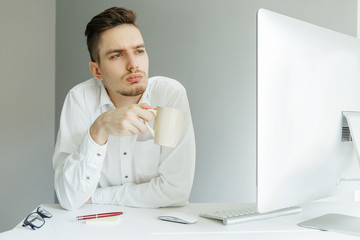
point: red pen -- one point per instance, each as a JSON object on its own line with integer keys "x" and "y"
{"x": 99, "y": 215}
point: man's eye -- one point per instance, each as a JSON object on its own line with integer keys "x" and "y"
{"x": 139, "y": 51}
{"x": 116, "y": 55}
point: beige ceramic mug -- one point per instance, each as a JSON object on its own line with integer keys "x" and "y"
{"x": 168, "y": 126}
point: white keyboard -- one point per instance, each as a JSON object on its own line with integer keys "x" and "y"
{"x": 247, "y": 214}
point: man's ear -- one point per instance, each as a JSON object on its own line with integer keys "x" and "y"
{"x": 95, "y": 70}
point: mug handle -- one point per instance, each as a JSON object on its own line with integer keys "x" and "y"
{"x": 153, "y": 111}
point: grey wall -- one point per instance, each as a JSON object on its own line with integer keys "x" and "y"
{"x": 209, "y": 46}
{"x": 27, "y": 106}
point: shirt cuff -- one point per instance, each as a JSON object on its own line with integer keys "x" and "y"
{"x": 92, "y": 152}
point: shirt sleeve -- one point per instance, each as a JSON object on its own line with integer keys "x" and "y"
{"x": 176, "y": 172}
{"x": 77, "y": 159}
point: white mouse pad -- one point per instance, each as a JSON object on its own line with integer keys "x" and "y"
{"x": 334, "y": 222}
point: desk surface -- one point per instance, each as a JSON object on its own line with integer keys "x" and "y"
{"x": 138, "y": 223}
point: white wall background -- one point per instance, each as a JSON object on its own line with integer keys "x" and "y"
{"x": 208, "y": 45}
{"x": 27, "y": 107}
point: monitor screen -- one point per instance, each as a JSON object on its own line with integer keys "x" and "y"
{"x": 306, "y": 77}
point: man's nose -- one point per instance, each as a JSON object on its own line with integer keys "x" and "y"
{"x": 133, "y": 64}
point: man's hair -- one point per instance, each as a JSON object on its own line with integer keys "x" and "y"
{"x": 106, "y": 20}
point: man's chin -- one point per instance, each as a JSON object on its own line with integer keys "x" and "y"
{"x": 133, "y": 92}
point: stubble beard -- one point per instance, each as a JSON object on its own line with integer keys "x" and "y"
{"x": 133, "y": 92}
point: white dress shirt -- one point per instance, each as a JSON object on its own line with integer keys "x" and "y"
{"x": 129, "y": 170}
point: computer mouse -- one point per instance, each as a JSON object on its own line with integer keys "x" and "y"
{"x": 179, "y": 217}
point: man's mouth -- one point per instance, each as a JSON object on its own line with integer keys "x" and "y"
{"x": 134, "y": 78}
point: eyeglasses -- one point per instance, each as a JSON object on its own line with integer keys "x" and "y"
{"x": 36, "y": 219}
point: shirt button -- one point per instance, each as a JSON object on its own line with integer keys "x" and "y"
{"x": 125, "y": 153}
{"x": 98, "y": 154}
{"x": 126, "y": 177}
{"x": 87, "y": 177}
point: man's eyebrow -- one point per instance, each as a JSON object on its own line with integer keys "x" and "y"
{"x": 140, "y": 46}
{"x": 119, "y": 50}
{"x": 110, "y": 51}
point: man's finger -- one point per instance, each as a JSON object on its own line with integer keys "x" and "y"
{"x": 143, "y": 113}
{"x": 145, "y": 106}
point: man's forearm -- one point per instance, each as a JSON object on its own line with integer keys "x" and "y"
{"x": 77, "y": 174}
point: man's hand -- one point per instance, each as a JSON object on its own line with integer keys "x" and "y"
{"x": 121, "y": 122}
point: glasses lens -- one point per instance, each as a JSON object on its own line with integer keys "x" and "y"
{"x": 34, "y": 220}
{"x": 44, "y": 213}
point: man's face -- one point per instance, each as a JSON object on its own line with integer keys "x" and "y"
{"x": 124, "y": 63}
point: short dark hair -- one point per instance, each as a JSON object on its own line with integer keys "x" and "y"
{"x": 106, "y": 20}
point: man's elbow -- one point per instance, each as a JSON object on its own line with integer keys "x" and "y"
{"x": 69, "y": 206}
{"x": 67, "y": 202}
{"x": 180, "y": 197}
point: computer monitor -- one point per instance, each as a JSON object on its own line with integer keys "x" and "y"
{"x": 306, "y": 77}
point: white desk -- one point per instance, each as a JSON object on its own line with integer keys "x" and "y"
{"x": 137, "y": 223}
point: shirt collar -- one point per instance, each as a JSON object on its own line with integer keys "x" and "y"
{"x": 104, "y": 96}
{"x": 145, "y": 97}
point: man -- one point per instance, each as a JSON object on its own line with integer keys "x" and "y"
{"x": 104, "y": 153}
